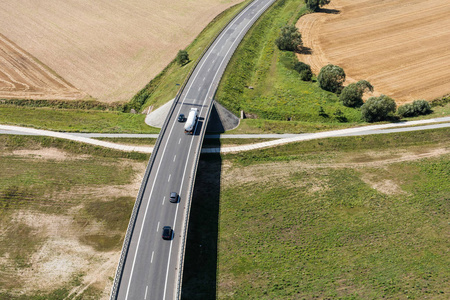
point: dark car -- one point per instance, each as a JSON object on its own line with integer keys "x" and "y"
{"x": 167, "y": 233}
{"x": 181, "y": 118}
{"x": 174, "y": 197}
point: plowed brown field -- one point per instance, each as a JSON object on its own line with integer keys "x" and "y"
{"x": 108, "y": 49}
{"x": 402, "y": 47}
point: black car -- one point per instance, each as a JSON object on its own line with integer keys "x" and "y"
{"x": 173, "y": 197}
{"x": 181, "y": 118}
{"x": 167, "y": 233}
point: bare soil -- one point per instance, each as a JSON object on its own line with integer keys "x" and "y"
{"x": 109, "y": 49}
{"x": 399, "y": 46}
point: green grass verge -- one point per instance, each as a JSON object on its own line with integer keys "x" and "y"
{"x": 75, "y": 120}
{"x": 130, "y": 141}
{"x": 19, "y": 142}
{"x": 255, "y": 126}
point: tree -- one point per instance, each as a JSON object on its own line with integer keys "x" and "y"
{"x": 351, "y": 95}
{"x": 331, "y": 78}
{"x": 377, "y": 108}
{"x": 418, "y": 107}
{"x": 314, "y": 5}
{"x": 182, "y": 57}
{"x": 304, "y": 70}
{"x": 290, "y": 39}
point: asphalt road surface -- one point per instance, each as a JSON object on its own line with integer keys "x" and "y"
{"x": 151, "y": 268}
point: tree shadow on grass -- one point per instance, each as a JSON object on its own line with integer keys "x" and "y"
{"x": 200, "y": 267}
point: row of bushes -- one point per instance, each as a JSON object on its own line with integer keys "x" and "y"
{"x": 331, "y": 78}
{"x": 374, "y": 109}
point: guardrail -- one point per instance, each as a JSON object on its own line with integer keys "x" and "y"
{"x": 197, "y": 157}
{"x": 131, "y": 224}
{"x": 137, "y": 204}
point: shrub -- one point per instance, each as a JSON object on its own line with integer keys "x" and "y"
{"x": 331, "y": 78}
{"x": 406, "y": 110}
{"x": 422, "y": 107}
{"x": 290, "y": 39}
{"x": 304, "y": 70}
{"x": 418, "y": 107}
{"x": 377, "y": 108}
{"x": 351, "y": 95}
{"x": 182, "y": 57}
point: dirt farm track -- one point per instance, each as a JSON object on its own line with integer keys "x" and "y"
{"x": 106, "y": 49}
{"x": 402, "y": 47}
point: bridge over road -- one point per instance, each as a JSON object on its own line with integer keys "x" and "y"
{"x": 150, "y": 267}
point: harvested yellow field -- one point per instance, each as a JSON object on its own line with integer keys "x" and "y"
{"x": 108, "y": 49}
{"x": 402, "y": 47}
{"x": 21, "y": 76}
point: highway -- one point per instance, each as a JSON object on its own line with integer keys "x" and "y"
{"x": 152, "y": 266}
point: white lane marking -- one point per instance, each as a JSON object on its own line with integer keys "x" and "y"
{"x": 199, "y": 88}
{"x": 168, "y": 180}
{"x": 151, "y": 261}
{"x": 190, "y": 147}
{"x": 179, "y": 141}
{"x": 146, "y": 290}
{"x": 215, "y": 43}
{"x": 157, "y": 228}
{"x": 151, "y": 193}
{"x": 209, "y": 69}
{"x": 164, "y": 199}
{"x": 164, "y": 151}
{"x": 175, "y": 157}
{"x": 204, "y": 78}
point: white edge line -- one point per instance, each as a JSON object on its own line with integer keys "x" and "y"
{"x": 190, "y": 147}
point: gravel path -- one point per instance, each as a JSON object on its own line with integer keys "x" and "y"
{"x": 280, "y": 138}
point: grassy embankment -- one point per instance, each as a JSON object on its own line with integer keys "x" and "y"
{"x": 277, "y": 93}
{"x": 62, "y": 204}
{"x": 161, "y": 89}
{"x": 349, "y": 218}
